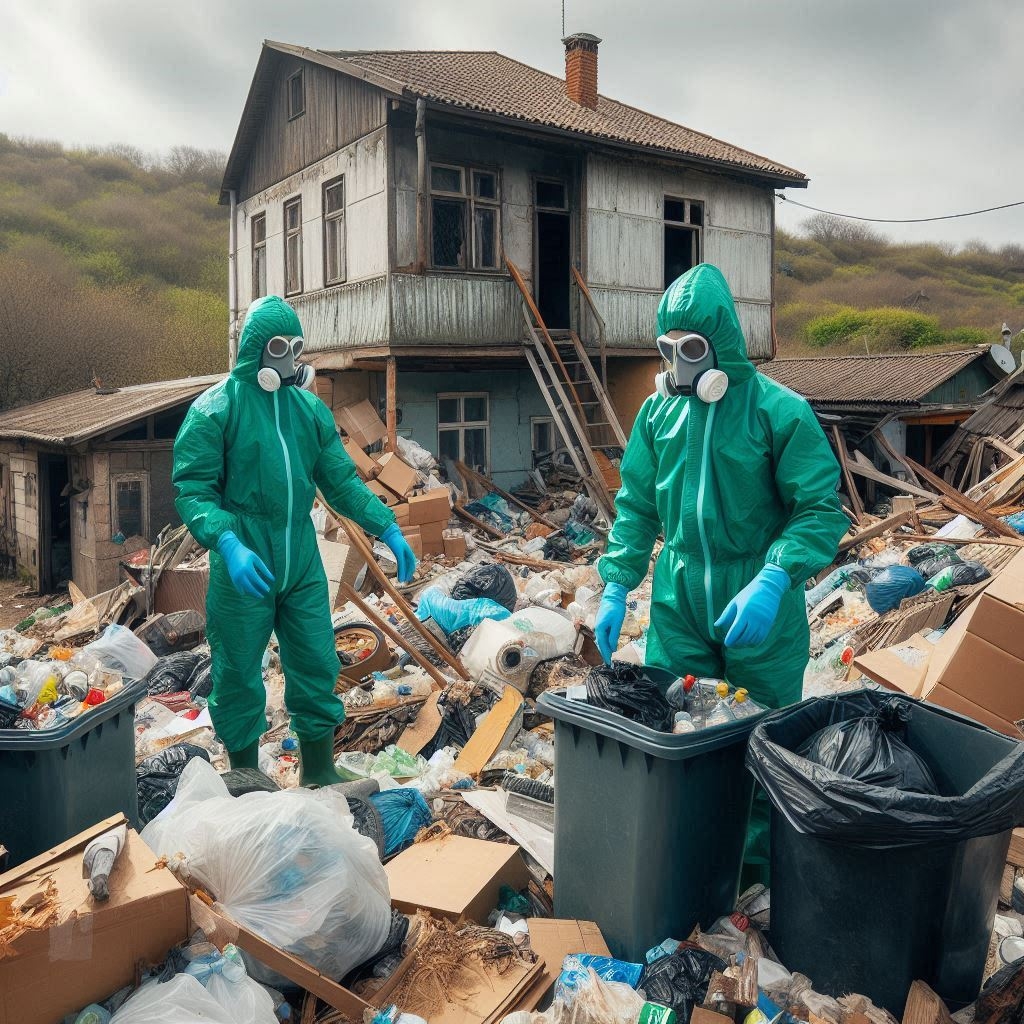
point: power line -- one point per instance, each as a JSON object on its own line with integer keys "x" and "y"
{"x": 898, "y": 220}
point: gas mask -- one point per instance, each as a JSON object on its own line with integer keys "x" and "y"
{"x": 280, "y": 365}
{"x": 691, "y": 367}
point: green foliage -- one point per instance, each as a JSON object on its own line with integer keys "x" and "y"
{"x": 111, "y": 264}
{"x": 880, "y": 329}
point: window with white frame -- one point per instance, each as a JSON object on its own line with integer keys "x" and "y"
{"x": 545, "y": 441}
{"x": 129, "y": 504}
{"x": 464, "y": 428}
{"x": 465, "y": 218}
{"x": 293, "y": 246}
{"x": 334, "y": 231}
{"x": 259, "y": 255}
{"x": 684, "y": 226}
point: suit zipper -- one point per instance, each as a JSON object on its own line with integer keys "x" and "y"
{"x": 291, "y": 498}
{"x": 701, "y": 528}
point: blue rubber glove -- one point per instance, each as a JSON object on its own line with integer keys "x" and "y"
{"x": 246, "y": 569}
{"x": 750, "y": 615}
{"x": 610, "y": 615}
{"x": 404, "y": 554}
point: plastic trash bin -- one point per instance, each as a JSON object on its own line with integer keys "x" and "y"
{"x": 57, "y": 782}
{"x": 649, "y": 826}
{"x": 875, "y": 887}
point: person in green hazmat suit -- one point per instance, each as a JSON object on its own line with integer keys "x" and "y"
{"x": 247, "y": 462}
{"x": 735, "y": 471}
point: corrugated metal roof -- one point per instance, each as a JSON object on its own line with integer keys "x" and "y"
{"x": 70, "y": 419}
{"x": 900, "y": 379}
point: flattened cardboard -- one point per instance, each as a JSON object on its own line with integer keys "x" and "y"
{"x": 387, "y": 496}
{"x": 365, "y": 465}
{"x": 221, "y": 930}
{"x": 94, "y": 948}
{"x": 889, "y": 669}
{"x": 454, "y": 877}
{"x": 432, "y": 507}
{"x": 553, "y": 940}
{"x": 423, "y": 728}
{"x": 491, "y": 733}
{"x": 395, "y": 474}
{"x": 361, "y": 422}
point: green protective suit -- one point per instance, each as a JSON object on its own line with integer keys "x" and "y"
{"x": 734, "y": 485}
{"x": 249, "y": 461}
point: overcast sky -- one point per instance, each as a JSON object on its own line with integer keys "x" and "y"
{"x": 893, "y": 108}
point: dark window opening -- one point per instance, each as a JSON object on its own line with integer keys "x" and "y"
{"x": 551, "y": 195}
{"x": 465, "y": 226}
{"x": 167, "y": 424}
{"x": 554, "y": 254}
{"x": 449, "y": 232}
{"x": 296, "y": 95}
{"x": 293, "y": 247}
{"x": 684, "y": 219}
{"x": 55, "y": 521}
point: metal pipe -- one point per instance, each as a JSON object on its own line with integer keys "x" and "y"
{"x": 421, "y": 184}
{"x": 233, "y": 278}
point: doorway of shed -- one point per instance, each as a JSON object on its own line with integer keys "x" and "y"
{"x": 553, "y": 238}
{"x": 54, "y": 521}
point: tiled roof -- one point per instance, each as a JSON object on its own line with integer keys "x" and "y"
{"x": 492, "y": 83}
{"x": 69, "y": 419}
{"x": 900, "y": 379}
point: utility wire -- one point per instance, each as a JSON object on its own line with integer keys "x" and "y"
{"x": 898, "y": 220}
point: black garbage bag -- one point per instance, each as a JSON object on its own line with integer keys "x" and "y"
{"x": 819, "y": 802}
{"x": 156, "y": 777}
{"x": 962, "y": 574}
{"x": 173, "y": 673}
{"x": 872, "y": 750}
{"x": 680, "y": 980}
{"x": 559, "y": 549}
{"x": 925, "y": 552}
{"x": 930, "y": 567}
{"x": 201, "y": 683}
{"x": 488, "y": 579}
{"x": 629, "y": 691}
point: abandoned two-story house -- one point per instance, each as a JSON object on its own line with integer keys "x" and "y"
{"x": 395, "y": 197}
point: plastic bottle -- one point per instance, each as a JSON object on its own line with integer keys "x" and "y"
{"x": 679, "y": 691}
{"x": 721, "y": 714}
{"x": 742, "y": 706}
{"x": 93, "y": 1014}
{"x": 683, "y": 723}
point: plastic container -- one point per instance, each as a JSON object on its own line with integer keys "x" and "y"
{"x": 649, "y": 826}
{"x": 859, "y": 918}
{"x": 57, "y": 782}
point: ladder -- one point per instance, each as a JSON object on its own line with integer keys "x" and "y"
{"x": 576, "y": 397}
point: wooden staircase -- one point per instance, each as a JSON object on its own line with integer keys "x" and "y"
{"x": 575, "y": 395}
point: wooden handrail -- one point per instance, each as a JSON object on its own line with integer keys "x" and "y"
{"x": 585, "y": 292}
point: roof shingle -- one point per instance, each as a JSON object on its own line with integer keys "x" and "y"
{"x": 899, "y": 379}
{"x": 495, "y": 84}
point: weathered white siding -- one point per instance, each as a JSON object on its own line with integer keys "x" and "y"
{"x": 625, "y": 245}
{"x": 429, "y": 308}
{"x": 343, "y": 315}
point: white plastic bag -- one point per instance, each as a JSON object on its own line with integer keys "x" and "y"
{"x": 121, "y": 649}
{"x": 182, "y": 1000}
{"x": 223, "y": 975}
{"x": 288, "y": 865}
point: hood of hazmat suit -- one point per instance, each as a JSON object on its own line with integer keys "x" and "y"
{"x": 249, "y": 461}
{"x": 734, "y": 485}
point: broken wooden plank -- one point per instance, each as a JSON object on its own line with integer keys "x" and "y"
{"x": 491, "y": 733}
{"x": 1010, "y": 542}
{"x": 461, "y": 512}
{"x": 863, "y": 467}
{"x": 1016, "y": 854}
{"x": 925, "y": 1007}
{"x": 907, "y": 503}
{"x": 890, "y": 523}
{"x": 961, "y": 502}
{"x": 844, "y": 465}
{"x": 883, "y": 442}
{"x": 487, "y": 482}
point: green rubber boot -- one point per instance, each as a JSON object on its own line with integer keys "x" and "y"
{"x": 247, "y": 757}
{"x": 316, "y": 763}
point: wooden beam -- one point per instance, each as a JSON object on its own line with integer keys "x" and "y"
{"x": 867, "y": 470}
{"x": 1009, "y": 542}
{"x": 883, "y": 442}
{"x": 844, "y": 465}
{"x": 487, "y": 482}
{"x": 890, "y": 523}
{"x": 962, "y": 503}
{"x": 461, "y": 512}
{"x": 391, "y": 408}
{"x": 392, "y": 634}
{"x": 925, "y": 1007}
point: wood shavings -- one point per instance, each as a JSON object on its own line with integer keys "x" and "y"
{"x": 36, "y": 912}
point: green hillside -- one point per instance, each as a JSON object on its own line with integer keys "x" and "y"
{"x": 841, "y": 288}
{"x": 112, "y": 265}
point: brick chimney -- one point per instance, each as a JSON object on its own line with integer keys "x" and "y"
{"x": 581, "y": 69}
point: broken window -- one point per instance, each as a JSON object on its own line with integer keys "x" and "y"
{"x": 334, "y": 231}
{"x": 546, "y": 442}
{"x": 259, "y": 255}
{"x": 465, "y": 222}
{"x": 293, "y": 246}
{"x": 463, "y": 429}
{"x": 129, "y": 501}
{"x": 296, "y": 95}
{"x": 684, "y": 221}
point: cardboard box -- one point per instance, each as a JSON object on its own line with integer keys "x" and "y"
{"x": 401, "y": 511}
{"x": 387, "y": 496}
{"x": 412, "y": 535}
{"x": 395, "y": 474}
{"x": 454, "y": 544}
{"x": 977, "y": 668}
{"x": 93, "y": 948}
{"x": 433, "y": 507}
{"x": 365, "y": 464}
{"x": 432, "y": 535}
{"x": 361, "y": 422}
{"x": 181, "y": 589}
{"x": 553, "y": 940}
{"x": 454, "y": 877}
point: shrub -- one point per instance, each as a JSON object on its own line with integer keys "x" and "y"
{"x": 880, "y": 329}
{"x": 965, "y": 337}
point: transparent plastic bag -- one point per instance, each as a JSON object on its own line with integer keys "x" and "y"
{"x": 288, "y": 865}
{"x": 224, "y": 976}
{"x": 182, "y": 1000}
{"x": 121, "y": 649}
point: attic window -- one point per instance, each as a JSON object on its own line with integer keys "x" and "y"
{"x": 296, "y": 95}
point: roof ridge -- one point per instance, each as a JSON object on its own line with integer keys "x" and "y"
{"x": 884, "y": 355}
